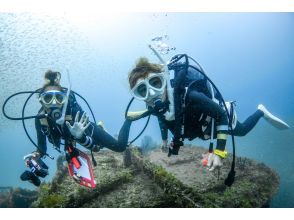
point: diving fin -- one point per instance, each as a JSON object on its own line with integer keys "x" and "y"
{"x": 83, "y": 174}
{"x": 273, "y": 120}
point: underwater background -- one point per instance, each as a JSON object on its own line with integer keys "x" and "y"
{"x": 249, "y": 56}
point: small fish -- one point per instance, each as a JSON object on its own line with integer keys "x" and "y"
{"x": 156, "y": 39}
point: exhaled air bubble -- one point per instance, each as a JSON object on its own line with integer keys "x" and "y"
{"x": 161, "y": 45}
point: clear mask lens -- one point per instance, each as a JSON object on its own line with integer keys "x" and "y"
{"x": 156, "y": 82}
{"x": 48, "y": 97}
{"x": 60, "y": 98}
{"x": 141, "y": 90}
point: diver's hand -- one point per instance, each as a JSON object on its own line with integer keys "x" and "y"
{"x": 34, "y": 154}
{"x": 214, "y": 161}
{"x": 79, "y": 126}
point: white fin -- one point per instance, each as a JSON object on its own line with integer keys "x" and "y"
{"x": 273, "y": 120}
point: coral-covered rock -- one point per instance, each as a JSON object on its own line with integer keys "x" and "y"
{"x": 154, "y": 180}
{"x": 17, "y": 198}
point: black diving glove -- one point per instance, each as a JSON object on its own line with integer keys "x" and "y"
{"x": 174, "y": 147}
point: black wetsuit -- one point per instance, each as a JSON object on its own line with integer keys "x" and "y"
{"x": 192, "y": 109}
{"x": 93, "y": 135}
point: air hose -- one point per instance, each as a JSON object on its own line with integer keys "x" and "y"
{"x": 135, "y": 119}
{"x": 36, "y": 116}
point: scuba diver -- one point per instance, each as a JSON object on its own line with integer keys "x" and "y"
{"x": 77, "y": 123}
{"x": 191, "y": 107}
{"x": 60, "y": 103}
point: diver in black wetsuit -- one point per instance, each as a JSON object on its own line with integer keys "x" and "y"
{"x": 76, "y": 126}
{"x": 190, "y": 110}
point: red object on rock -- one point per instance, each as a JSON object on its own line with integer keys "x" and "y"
{"x": 204, "y": 162}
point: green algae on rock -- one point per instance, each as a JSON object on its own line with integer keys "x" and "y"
{"x": 132, "y": 179}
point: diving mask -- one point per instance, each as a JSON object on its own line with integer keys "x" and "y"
{"x": 53, "y": 97}
{"x": 150, "y": 87}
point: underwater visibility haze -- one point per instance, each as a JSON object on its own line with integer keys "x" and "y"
{"x": 249, "y": 56}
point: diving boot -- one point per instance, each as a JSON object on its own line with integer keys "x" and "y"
{"x": 273, "y": 120}
{"x": 174, "y": 147}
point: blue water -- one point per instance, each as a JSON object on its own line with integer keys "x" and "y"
{"x": 248, "y": 55}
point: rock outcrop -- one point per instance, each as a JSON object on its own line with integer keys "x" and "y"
{"x": 154, "y": 180}
{"x": 16, "y": 197}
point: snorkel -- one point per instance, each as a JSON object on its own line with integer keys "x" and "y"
{"x": 170, "y": 114}
{"x": 61, "y": 120}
